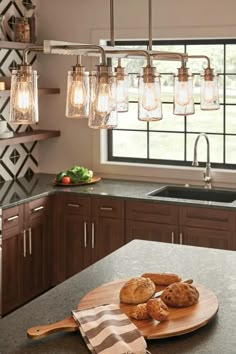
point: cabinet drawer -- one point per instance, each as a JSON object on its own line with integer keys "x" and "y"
{"x": 152, "y": 212}
{"x": 74, "y": 204}
{"x": 37, "y": 207}
{"x": 217, "y": 219}
{"x": 12, "y": 217}
{"x": 108, "y": 207}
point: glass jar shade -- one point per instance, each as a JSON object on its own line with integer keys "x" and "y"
{"x": 209, "y": 93}
{"x": 77, "y": 99}
{"x": 24, "y": 98}
{"x": 149, "y": 99}
{"x": 183, "y": 96}
{"x": 103, "y": 106}
{"x": 122, "y": 94}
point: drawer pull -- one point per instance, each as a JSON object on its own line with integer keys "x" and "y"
{"x": 85, "y": 234}
{"x": 73, "y": 205}
{"x": 24, "y": 243}
{"x": 93, "y": 236}
{"x": 106, "y": 208}
{"x": 30, "y": 241}
{"x": 37, "y": 209}
{"x": 12, "y": 218}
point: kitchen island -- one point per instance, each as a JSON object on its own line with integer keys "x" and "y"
{"x": 214, "y": 269}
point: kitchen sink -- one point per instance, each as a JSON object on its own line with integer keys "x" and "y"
{"x": 220, "y": 196}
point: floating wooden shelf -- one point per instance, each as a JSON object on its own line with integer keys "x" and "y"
{"x": 41, "y": 91}
{"x": 14, "y": 45}
{"x": 27, "y": 137}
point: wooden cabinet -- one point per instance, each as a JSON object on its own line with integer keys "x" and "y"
{"x": 90, "y": 228}
{"x": 207, "y": 227}
{"x": 151, "y": 221}
{"x": 25, "y": 253}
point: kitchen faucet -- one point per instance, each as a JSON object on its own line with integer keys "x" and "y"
{"x": 207, "y": 174}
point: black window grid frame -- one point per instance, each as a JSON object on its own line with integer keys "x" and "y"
{"x": 185, "y": 162}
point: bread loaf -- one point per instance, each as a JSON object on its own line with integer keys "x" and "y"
{"x": 157, "y": 309}
{"x": 180, "y": 295}
{"x": 137, "y": 290}
{"x": 162, "y": 278}
{"x": 139, "y": 312}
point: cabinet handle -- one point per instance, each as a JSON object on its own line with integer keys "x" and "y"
{"x": 24, "y": 243}
{"x": 13, "y": 218}
{"x": 106, "y": 208}
{"x": 172, "y": 237}
{"x": 73, "y": 205}
{"x": 37, "y": 209}
{"x": 181, "y": 238}
{"x": 85, "y": 234}
{"x": 93, "y": 236}
{"x": 30, "y": 241}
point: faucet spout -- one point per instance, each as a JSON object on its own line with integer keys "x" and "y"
{"x": 207, "y": 174}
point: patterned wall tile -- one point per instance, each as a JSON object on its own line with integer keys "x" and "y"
{"x": 15, "y": 160}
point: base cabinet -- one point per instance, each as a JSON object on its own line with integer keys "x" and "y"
{"x": 90, "y": 228}
{"x": 25, "y": 249}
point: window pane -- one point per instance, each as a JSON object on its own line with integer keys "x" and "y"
{"x": 168, "y": 66}
{"x": 230, "y": 149}
{"x": 213, "y": 51}
{"x": 230, "y": 120}
{"x": 169, "y": 122}
{"x": 216, "y": 148}
{"x": 163, "y": 146}
{"x": 231, "y": 89}
{"x": 167, "y": 88}
{"x": 205, "y": 121}
{"x": 231, "y": 58}
{"x": 130, "y": 144}
{"x": 129, "y": 120}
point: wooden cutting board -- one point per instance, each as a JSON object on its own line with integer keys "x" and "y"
{"x": 181, "y": 320}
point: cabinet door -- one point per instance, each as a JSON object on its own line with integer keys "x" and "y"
{"x": 206, "y": 238}
{"x": 10, "y": 270}
{"x": 76, "y": 247}
{"x": 32, "y": 271}
{"x": 150, "y": 231}
{"x": 107, "y": 235}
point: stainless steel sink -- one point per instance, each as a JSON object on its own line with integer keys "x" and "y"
{"x": 220, "y": 196}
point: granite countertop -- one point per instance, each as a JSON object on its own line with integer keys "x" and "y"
{"x": 39, "y": 185}
{"x": 214, "y": 269}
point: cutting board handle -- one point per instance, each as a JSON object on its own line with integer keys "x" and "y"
{"x": 66, "y": 325}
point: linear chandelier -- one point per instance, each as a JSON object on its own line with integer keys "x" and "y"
{"x": 101, "y": 94}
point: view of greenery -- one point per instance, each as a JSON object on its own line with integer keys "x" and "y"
{"x": 172, "y": 138}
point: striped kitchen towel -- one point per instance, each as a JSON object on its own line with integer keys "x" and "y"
{"x": 107, "y": 330}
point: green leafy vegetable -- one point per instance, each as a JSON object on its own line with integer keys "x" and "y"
{"x": 59, "y": 176}
{"x": 79, "y": 174}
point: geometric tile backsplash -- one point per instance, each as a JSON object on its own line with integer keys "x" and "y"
{"x": 15, "y": 160}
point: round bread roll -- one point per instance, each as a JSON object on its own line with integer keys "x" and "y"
{"x": 162, "y": 278}
{"x": 180, "y": 295}
{"x": 139, "y": 312}
{"x": 137, "y": 290}
{"x": 157, "y": 309}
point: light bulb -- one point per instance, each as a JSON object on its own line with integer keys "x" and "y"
{"x": 121, "y": 91}
{"x": 78, "y": 94}
{"x": 149, "y": 98}
{"x": 103, "y": 99}
{"x": 182, "y": 95}
{"x": 209, "y": 91}
{"x": 24, "y": 98}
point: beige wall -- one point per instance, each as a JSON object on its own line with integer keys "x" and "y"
{"x": 87, "y": 21}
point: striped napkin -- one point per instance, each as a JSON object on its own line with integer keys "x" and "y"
{"x": 107, "y": 330}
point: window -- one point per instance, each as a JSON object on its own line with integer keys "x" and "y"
{"x": 171, "y": 140}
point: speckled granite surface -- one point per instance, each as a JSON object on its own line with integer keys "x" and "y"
{"x": 22, "y": 190}
{"x": 214, "y": 269}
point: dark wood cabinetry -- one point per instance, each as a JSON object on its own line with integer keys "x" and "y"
{"x": 25, "y": 250}
{"x": 151, "y": 221}
{"x": 90, "y": 228}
